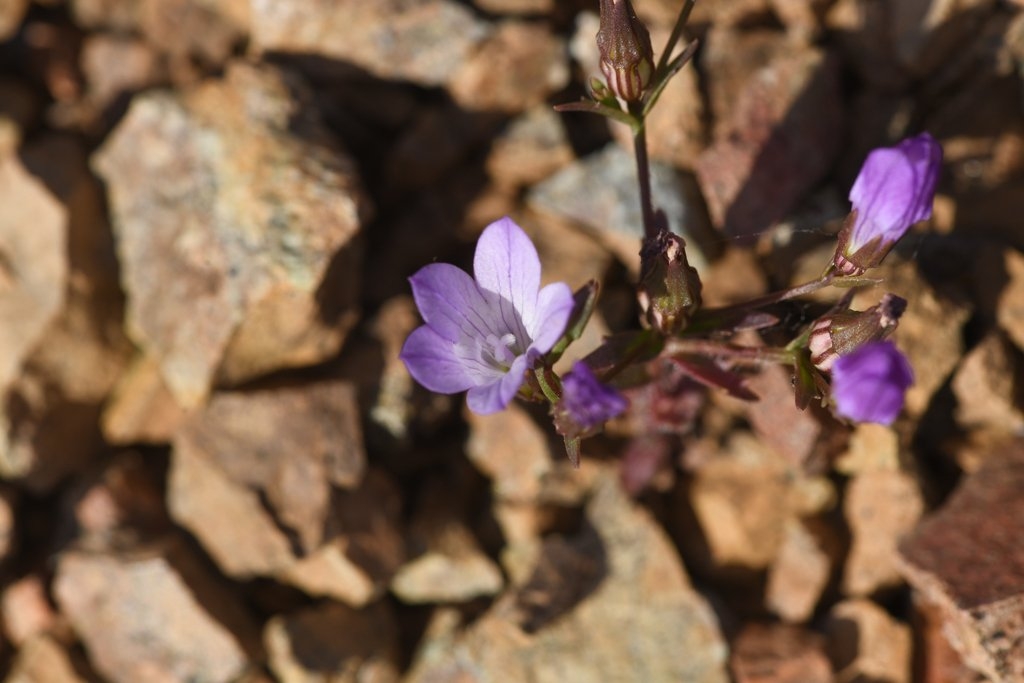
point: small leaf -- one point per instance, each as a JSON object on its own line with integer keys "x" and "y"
{"x": 572, "y": 450}
{"x": 584, "y": 299}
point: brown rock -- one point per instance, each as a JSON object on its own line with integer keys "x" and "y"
{"x": 26, "y": 610}
{"x": 61, "y": 310}
{"x": 334, "y": 643}
{"x": 780, "y": 135}
{"x": 936, "y": 661}
{"x": 44, "y": 660}
{"x": 154, "y": 616}
{"x": 881, "y": 507}
{"x": 518, "y": 66}
{"x": 516, "y": 6}
{"x": 610, "y": 602}
{"x": 866, "y": 644}
{"x": 925, "y": 33}
{"x": 799, "y": 575}
{"x": 871, "y": 447}
{"x": 789, "y": 431}
{"x": 862, "y": 34}
{"x": 512, "y": 450}
{"x": 966, "y": 558}
{"x": 778, "y": 653}
{"x": 423, "y": 42}
{"x": 263, "y": 275}
{"x": 986, "y": 388}
{"x": 121, "y": 504}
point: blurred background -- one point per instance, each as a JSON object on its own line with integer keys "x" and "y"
{"x": 215, "y": 468}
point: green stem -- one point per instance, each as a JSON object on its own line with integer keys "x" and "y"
{"x": 547, "y": 380}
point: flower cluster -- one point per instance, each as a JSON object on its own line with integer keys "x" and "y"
{"x": 498, "y": 334}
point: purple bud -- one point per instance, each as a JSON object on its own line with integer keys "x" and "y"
{"x": 868, "y": 384}
{"x": 586, "y": 403}
{"x": 669, "y": 287}
{"x": 894, "y": 189}
{"x": 627, "y": 59}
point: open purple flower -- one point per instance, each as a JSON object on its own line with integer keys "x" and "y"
{"x": 482, "y": 335}
{"x": 587, "y": 403}
{"x": 868, "y": 384}
{"x": 894, "y": 189}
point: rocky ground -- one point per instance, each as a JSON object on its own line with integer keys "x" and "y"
{"x": 214, "y": 467}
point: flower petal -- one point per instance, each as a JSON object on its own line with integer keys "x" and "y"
{"x": 432, "y": 361}
{"x": 895, "y": 189}
{"x": 507, "y": 264}
{"x": 868, "y": 384}
{"x": 554, "y": 306}
{"x": 495, "y": 397}
{"x": 452, "y": 304}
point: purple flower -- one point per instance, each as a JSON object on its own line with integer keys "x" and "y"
{"x": 585, "y": 401}
{"x": 868, "y": 384}
{"x": 894, "y": 190}
{"x": 484, "y": 334}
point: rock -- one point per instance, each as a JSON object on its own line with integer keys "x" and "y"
{"x": 600, "y": 192}
{"x": 334, "y": 643}
{"x": 423, "y": 42}
{"x": 273, "y": 483}
{"x": 512, "y": 450}
{"x": 871, "y": 447}
{"x": 446, "y": 563}
{"x": 61, "y": 310}
{"x": 865, "y": 643}
{"x": 532, "y": 147}
{"x": 1010, "y": 307}
{"x": 936, "y": 661}
{"x": 779, "y": 136}
{"x": 26, "y": 610}
{"x": 986, "y": 389}
{"x": 966, "y": 558}
{"x": 609, "y": 602}
{"x": 881, "y": 507}
{"x": 778, "y": 653}
{"x": 862, "y": 35}
{"x": 154, "y": 616}
{"x": 44, "y": 660}
{"x": 516, "y": 6}
{"x": 11, "y": 14}
{"x": 743, "y": 498}
{"x": 800, "y": 572}
{"x": 789, "y": 431}
{"x": 19, "y": 108}
{"x": 119, "y": 505}
{"x": 237, "y": 221}
{"x": 115, "y": 66}
{"x": 516, "y": 67}
{"x": 141, "y": 408}
{"x": 925, "y": 33}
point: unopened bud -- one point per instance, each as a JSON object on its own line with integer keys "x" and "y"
{"x": 669, "y": 288}
{"x": 842, "y": 333}
{"x": 627, "y": 59}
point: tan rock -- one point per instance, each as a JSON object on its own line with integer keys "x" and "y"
{"x": 43, "y": 660}
{"x": 511, "y": 449}
{"x": 871, "y": 447}
{"x": 1010, "y": 307}
{"x": 610, "y": 602}
{"x": 533, "y": 146}
{"x": 986, "y": 389}
{"x": 778, "y": 653}
{"x": 266, "y": 265}
{"x": 422, "y": 42}
{"x": 516, "y": 6}
{"x": 155, "y": 616}
{"x": 26, "y": 610}
{"x": 61, "y": 307}
{"x": 516, "y": 67}
{"x": 965, "y": 558}
{"x": 11, "y": 14}
{"x": 881, "y": 507}
{"x": 114, "y": 66}
{"x": 800, "y": 573}
{"x": 334, "y": 644}
{"x": 141, "y": 408}
{"x": 865, "y": 643}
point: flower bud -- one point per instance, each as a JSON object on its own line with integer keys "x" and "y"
{"x": 627, "y": 59}
{"x": 894, "y": 190}
{"x": 842, "y": 333}
{"x": 869, "y": 384}
{"x": 669, "y": 288}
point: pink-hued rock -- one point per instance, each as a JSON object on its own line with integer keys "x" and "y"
{"x": 967, "y": 559}
{"x": 26, "y": 610}
{"x": 779, "y": 653}
{"x": 156, "y": 616}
